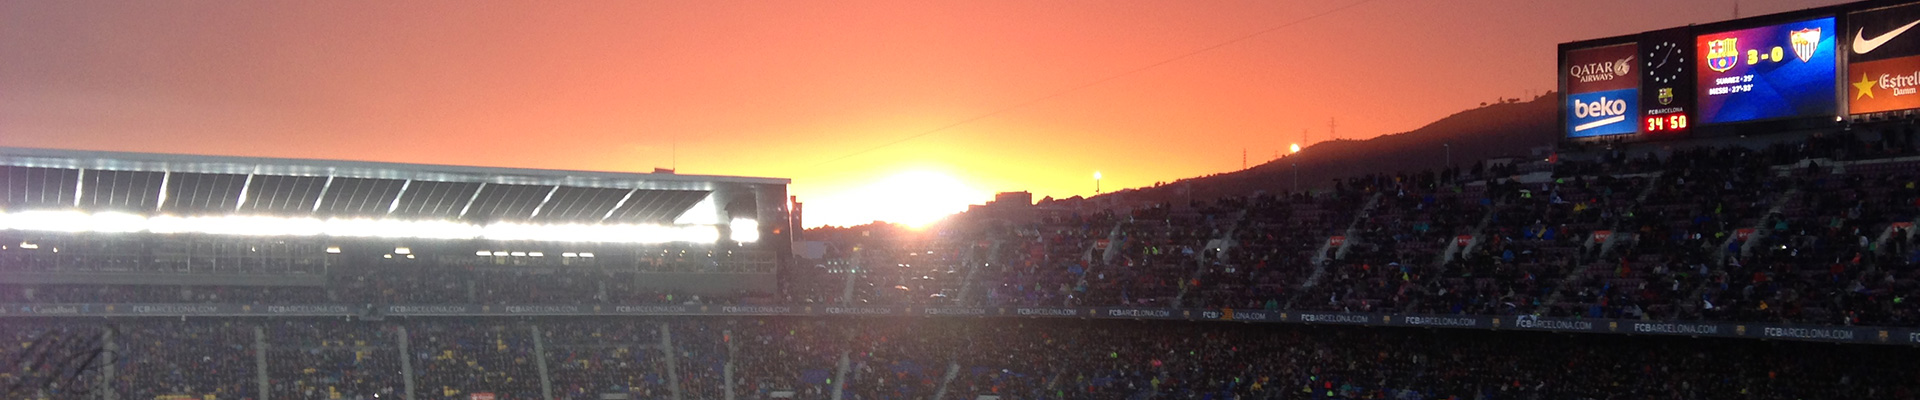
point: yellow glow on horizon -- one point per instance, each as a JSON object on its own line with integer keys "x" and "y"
{"x": 1296, "y": 147}
{"x": 914, "y": 198}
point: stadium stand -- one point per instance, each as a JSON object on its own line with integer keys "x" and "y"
{"x": 1808, "y": 239}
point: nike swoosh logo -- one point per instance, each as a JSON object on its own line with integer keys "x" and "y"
{"x": 1863, "y": 46}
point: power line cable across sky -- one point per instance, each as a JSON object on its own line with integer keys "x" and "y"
{"x": 1097, "y": 82}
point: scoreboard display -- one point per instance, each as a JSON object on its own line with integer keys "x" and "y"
{"x": 1637, "y": 85}
{"x": 1666, "y": 81}
{"x": 1793, "y": 71}
{"x": 1768, "y": 72}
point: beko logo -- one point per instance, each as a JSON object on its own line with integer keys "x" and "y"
{"x": 1601, "y": 71}
{"x": 1599, "y": 108}
{"x": 1615, "y": 110}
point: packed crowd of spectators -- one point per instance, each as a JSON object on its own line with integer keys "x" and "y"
{"x": 51, "y": 359}
{"x": 332, "y": 359}
{"x": 452, "y": 359}
{"x": 196, "y": 358}
{"x": 792, "y": 356}
{"x": 914, "y": 358}
{"x": 589, "y": 357}
{"x": 1816, "y": 231}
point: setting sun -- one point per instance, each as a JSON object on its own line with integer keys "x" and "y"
{"x": 913, "y": 198}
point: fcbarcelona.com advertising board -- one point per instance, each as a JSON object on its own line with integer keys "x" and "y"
{"x": 1883, "y": 71}
{"x": 1603, "y": 91}
{"x": 1769, "y": 72}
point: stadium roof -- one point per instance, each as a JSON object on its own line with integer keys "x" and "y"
{"x": 173, "y": 184}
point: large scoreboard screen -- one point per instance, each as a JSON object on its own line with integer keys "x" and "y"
{"x": 1768, "y": 72}
{"x": 1799, "y": 71}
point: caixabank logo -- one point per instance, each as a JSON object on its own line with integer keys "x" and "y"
{"x": 1612, "y": 112}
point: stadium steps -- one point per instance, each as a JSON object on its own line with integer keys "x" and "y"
{"x": 109, "y": 365}
{"x": 1880, "y": 244}
{"x": 1353, "y": 228}
{"x": 1106, "y": 258}
{"x": 953, "y": 370}
{"x": 727, "y": 370}
{"x": 1577, "y": 276}
{"x": 260, "y": 361}
{"x": 1653, "y": 181}
{"x": 839, "y": 374}
{"x": 406, "y": 362}
{"x": 1220, "y": 245}
{"x": 1761, "y": 229}
{"x": 1114, "y": 246}
{"x": 1693, "y": 299}
{"x": 540, "y": 362}
{"x": 673, "y": 370}
{"x": 972, "y": 261}
{"x": 1320, "y": 257}
{"x": 1455, "y": 250}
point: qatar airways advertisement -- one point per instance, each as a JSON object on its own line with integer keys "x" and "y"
{"x": 1603, "y": 91}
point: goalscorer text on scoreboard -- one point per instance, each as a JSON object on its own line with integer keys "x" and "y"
{"x": 1768, "y": 72}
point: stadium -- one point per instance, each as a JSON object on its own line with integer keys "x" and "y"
{"x": 1737, "y": 223}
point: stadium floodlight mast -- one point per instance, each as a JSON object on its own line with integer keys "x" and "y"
{"x": 744, "y": 230}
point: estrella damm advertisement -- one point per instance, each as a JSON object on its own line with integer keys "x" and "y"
{"x": 1883, "y": 70}
{"x": 1777, "y": 71}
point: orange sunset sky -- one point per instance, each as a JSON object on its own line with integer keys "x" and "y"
{"x": 1143, "y": 91}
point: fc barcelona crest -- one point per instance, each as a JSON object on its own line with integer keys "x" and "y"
{"x": 1722, "y": 54}
{"x": 1666, "y": 96}
{"x": 1805, "y": 41}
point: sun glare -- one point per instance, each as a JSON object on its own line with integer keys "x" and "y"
{"x": 913, "y": 198}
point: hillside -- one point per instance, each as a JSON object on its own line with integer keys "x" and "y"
{"x": 1498, "y": 130}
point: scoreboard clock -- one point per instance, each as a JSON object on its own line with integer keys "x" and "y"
{"x": 1666, "y": 80}
{"x": 1666, "y": 63}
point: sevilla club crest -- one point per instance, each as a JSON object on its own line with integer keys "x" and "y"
{"x": 1805, "y": 41}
